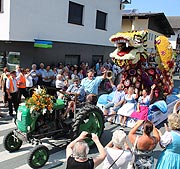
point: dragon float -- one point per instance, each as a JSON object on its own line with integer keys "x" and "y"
{"x": 131, "y": 54}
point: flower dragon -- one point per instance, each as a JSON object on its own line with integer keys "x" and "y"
{"x": 131, "y": 54}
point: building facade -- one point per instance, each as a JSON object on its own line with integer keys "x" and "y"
{"x": 155, "y": 23}
{"x": 78, "y": 30}
{"x": 175, "y": 39}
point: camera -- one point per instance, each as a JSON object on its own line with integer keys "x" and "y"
{"x": 89, "y": 135}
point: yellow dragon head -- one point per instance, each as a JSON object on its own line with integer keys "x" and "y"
{"x": 131, "y": 47}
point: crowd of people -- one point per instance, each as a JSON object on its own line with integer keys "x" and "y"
{"x": 85, "y": 82}
{"x": 117, "y": 154}
{"x": 68, "y": 78}
{"x": 131, "y": 103}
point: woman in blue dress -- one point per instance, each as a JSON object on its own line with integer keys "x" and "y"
{"x": 170, "y": 157}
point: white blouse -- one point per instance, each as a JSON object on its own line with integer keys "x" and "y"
{"x": 167, "y": 138}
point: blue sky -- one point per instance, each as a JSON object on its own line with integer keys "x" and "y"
{"x": 169, "y": 7}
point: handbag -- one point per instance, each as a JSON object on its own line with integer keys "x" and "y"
{"x": 115, "y": 160}
{"x": 131, "y": 163}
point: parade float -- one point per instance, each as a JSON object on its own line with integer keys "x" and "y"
{"x": 131, "y": 55}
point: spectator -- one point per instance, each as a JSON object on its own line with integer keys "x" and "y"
{"x": 83, "y": 67}
{"x": 41, "y": 72}
{"x": 98, "y": 65}
{"x": 118, "y": 151}
{"x": 60, "y": 67}
{"x": 71, "y": 70}
{"x": 117, "y": 101}
{"x": 3, "y": 80}
{"x": 75, "y": 90}
{"x": 11, "y": 88}
{"x": 55, "y": 73}
{"x": 18, "y": 70}
{"x": 47, "y": 76}
{"x": 80, "y": 74}
{"x": 145, "y": 143}
{"x": 66, "y": 73}
{"x": 74, "y": 74}
{"x": 77, "y": 151}
{"x": 76, "y": 67}
{"x": 170, "y": 157}
{"x": 129, "y": 106}
{"x": 108, "y": 64}
{"x": 59, "y": 82}
{"x": 116, "y": 70}
{"x": 35, "y": 74}
{"x": 21, "y": 85}
{"x": 143, "y": 105}
{"x": 100, "y": 70}
{"x": 67, "y": 67}
{"x": 29, "y": 82}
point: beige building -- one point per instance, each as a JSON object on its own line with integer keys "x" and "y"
{"x": 155, "y": 23}
{"x": 175, "y": 39}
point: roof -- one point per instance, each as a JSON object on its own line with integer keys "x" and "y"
{"x": 174, "y": 21}
{"x": 160, "y": 19}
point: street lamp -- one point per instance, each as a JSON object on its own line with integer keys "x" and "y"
{"x": 122, "y": 2}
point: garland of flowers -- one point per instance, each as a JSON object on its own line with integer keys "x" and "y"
{"x": 40, "y": 101}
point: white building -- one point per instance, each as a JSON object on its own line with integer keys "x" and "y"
{"x": 78, "y": 29}
{"x": 175, "y": 39}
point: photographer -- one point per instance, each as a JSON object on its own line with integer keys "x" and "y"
{"x": 145, "y": 143}
{"x": 118, "y": 152}
{"x": 77, "y": 151}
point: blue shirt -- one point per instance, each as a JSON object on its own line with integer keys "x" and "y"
{"x": 47, "y": 74}
{"x": 91, "y": 86}
{"x": 118, "y": 96}
{"x": 41, "y": 71}
{"x": 34, "y": 74}
{"x": 77, "y": 89}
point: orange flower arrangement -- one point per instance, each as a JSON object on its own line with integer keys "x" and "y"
{"x": 40, "y": 101}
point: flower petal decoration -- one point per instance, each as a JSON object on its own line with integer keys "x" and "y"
{"x": 40, "y": 102}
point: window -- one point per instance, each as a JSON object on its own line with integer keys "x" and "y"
{"x": 155, "y": 37}
{"x": 75, "y": 13}
{"x": 1, "y": 6}
{"x": 72, "y": 59}
{"x": 152, "y": 36}
{"x": 101, "y": 20}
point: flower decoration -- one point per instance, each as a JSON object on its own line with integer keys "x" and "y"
{"x": 40, "y": 101}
